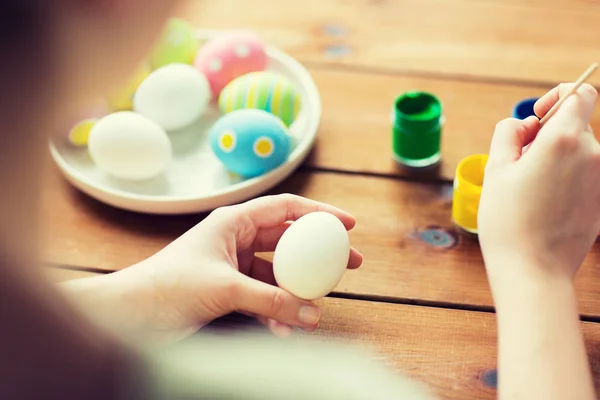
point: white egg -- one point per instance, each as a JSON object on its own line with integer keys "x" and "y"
{"x": 173, "y": 96}
{"x": 312, "y": 255}
{"x": 129, "y": 146}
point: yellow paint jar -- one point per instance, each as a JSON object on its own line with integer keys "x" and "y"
{"x": 467, "y": 191}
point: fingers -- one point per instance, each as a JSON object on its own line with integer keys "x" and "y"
{"x": 271, "y": 211}
{"x": 249, "y": 218}
{"x": 279, "y": 329}
{"x": 266, "y": 239}
{"x": 576, "y": 111}
{"x": 262, "y": 270}
{"x": 283, "y": 330}
{"x": 274, "y": 303}
{"x": 510, "y": 137}
{"x": 355, "y": 259}
{"x": 513, "y": 138}
{"x": 570, "y": 120}
{"x": 546, "y": 102}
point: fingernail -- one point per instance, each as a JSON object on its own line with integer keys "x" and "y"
{"x": 309, "y": 315}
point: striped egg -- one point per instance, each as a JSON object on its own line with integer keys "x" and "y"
{"x": 264, "y": 91}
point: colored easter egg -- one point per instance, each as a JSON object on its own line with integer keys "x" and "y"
{"x": 250, "y": 142}
{"x": 265, "y": 91}
{"x": 79, "y": 134}
{"x": 228, "y": 56}
{"x": 122, "y": 99}
{"x": 173, "y": 96}
{"x": 177, "y": 44}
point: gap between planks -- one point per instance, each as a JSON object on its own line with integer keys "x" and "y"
{"x": 371, "y": 298}
{"x": 425, "y": 178}
{"x": 415, "y": 73}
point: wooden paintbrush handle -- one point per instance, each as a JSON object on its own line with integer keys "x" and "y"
{"x": 584, "y": 77}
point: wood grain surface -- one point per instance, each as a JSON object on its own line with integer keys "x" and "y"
{"x": 451, "y": 351}
{"x": 530, "y": 40}
{"x": 479, "y": 57}
{"x": 412, "y": 251}
{"x": 355, "y": 131}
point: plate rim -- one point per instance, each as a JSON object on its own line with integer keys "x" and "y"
{"x": 297, "y": 156}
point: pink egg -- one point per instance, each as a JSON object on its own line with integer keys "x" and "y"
{"x": 229, "y": 56}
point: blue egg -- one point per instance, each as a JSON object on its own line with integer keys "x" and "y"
{"x": 250, "y": 142}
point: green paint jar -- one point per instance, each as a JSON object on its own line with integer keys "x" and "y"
{"x": 417, "y": 129}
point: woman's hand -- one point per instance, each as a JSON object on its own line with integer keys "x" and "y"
{"x": 209, "y": 272}
{"x": 538, "y": 217}
{"x": 540, "y": 203}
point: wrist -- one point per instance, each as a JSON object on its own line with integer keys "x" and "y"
{"x": 522, "y": 288}
{"x": 509, "y": 269}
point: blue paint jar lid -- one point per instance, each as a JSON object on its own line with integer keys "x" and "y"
{"x": 524, "y": 108}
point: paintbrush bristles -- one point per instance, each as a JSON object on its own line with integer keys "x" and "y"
{"x": 584, "y": 77}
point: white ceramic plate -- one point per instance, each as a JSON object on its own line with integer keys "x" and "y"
{"x": 196, "y": 181}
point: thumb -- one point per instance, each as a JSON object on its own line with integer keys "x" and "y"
{"x": 269, "y": 301}
{"x": 510, "y": 137}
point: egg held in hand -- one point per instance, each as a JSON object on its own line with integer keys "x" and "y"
{"x": 129, "y": 146}
{"x": 173, "y": 96}
{"x": 250, "y": 142}
{"x": 312, "y": 255}
{"x": 228, "y": 56}
{"x": 265, "y": 91}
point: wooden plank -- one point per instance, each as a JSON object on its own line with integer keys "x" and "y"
{"x": 82, "y": 232}
{"x": 453, "y": 352}
{"x": 412, "y": 251}
{"x": 355, "y": 132}
{"x": 530, "y": 40}
{"x": 355, "y": 129}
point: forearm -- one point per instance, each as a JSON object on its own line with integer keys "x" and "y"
{"x": 50, "y": 350}
{"x": 205, "y": 366}
{"x": 542, "y": 353}
{"x": 112, "y": 303}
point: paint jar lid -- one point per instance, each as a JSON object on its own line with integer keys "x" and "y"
{"x": 524, "y": 108}
{"x": 469, "y": 175}
{"x": 417, "y": 112}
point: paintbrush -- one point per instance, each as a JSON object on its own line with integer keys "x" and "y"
{"x": 584, "y": 77}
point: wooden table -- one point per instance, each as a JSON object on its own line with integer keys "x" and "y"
{"x": 421, "y": 297}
